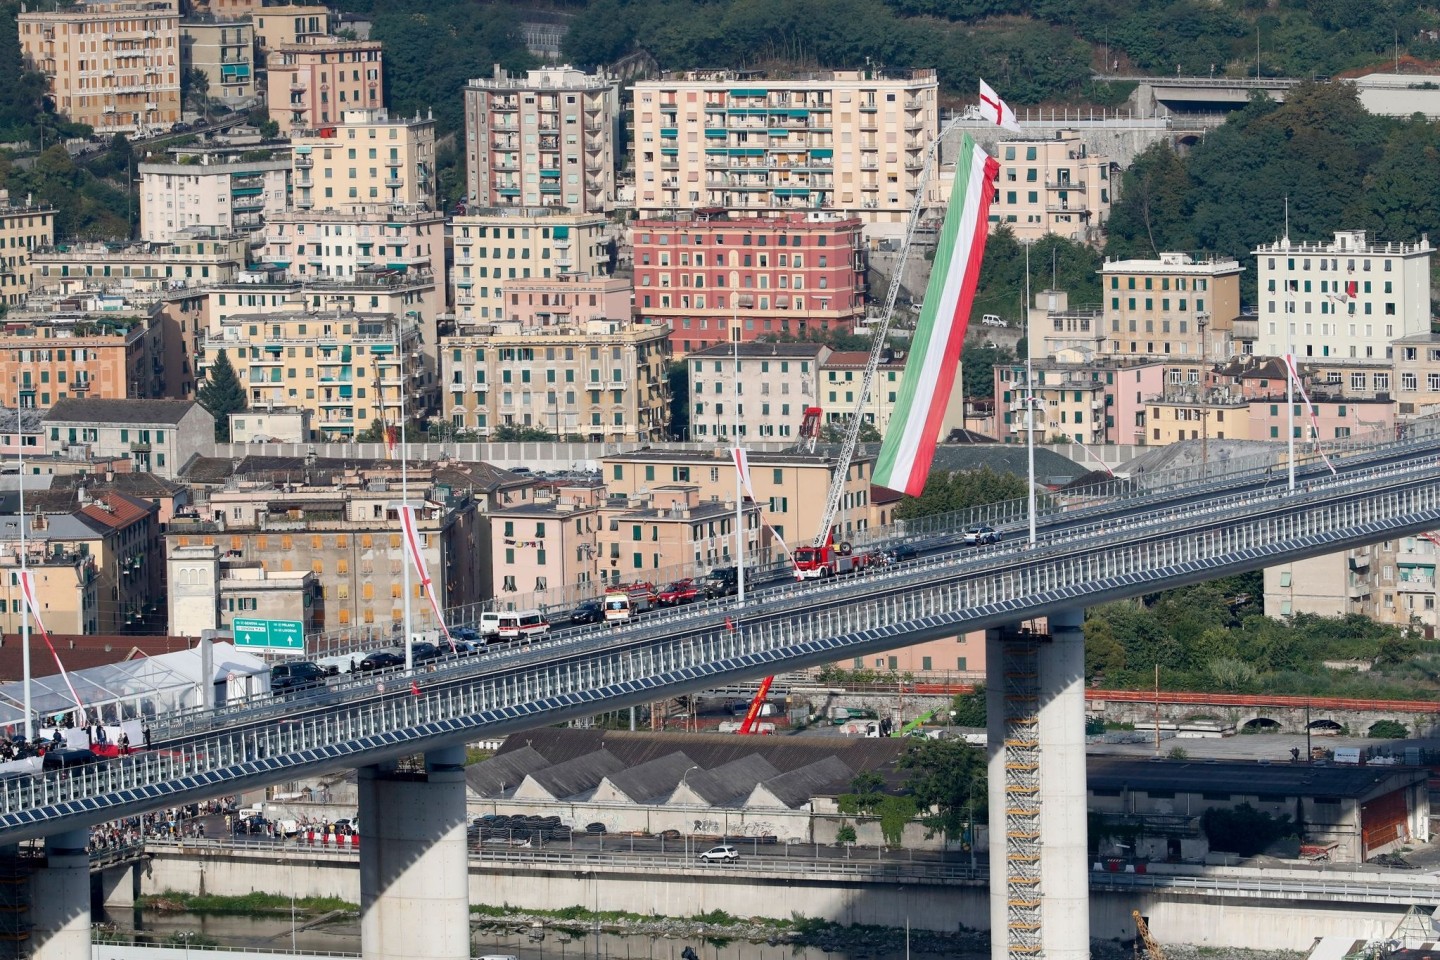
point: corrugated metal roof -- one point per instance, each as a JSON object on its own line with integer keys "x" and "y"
{"x": 574, "y": 777}
{"x": 493, "y": 777}
{"x": 649, "y": 781}
{"x": 822, "y": 778}
{"x": 730, "y": 783}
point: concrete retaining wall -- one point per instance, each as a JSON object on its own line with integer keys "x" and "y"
{"x": 1214, "y": 922}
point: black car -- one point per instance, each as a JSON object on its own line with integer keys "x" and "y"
{"x": 382, "y": 660}
{"x": 903, "y": 554}
{"x": 722, "y": 582}
{"x": 423, "y": 650}
{"x": 591, "y": 611}
{"x": 300, "y": 675}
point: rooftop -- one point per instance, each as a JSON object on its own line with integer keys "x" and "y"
{"x": 1348, "y": 242}
{"x": 1174, "y": 263}
{"x": 1248, "y": 779}
{"x": 127, "y": 412}
{"x": 757, "y": 458}
{"x": 761, "y": 351}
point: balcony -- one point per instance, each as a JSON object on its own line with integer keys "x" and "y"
{"x": 1069, "y": 206}
{"x": 394, "y": 183}
{"x": 1065, "y": 185}
{"x": 141, "y": 447}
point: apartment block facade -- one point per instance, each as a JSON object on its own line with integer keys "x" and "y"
{"x": 1346, "y": 299}
{"x": 603, "y": 380}
{"x": 156, "y": 436}
{"x": 669, "y": 532}
{"x": 1164, "y": 307}
{"x": 343, "y": 244}
{"x": 1083, "y": 399}
{"x": 77, "y": 268}
{"x": 1048, "y": 186}
{"x": 223, "y": 194}
{"x": 850, "y": 142}
{"x": 112, "y": 64}
{"x": 843, "y": 372}
{"x": 24, "y": 228}
{"x": 223, "y": 50}
{"x": 1417, "y": 375}
{"x": 348, "y": 369}
{"x": 545, "y": 139}
{"x": 791, "y": 488}
{"x": 311, "y": 85}
{"x": 796, "y": 275}
{"x": 763, "y": 396}
{"x": 494, "y": 247}
{"x": 567, "y": 299}
{"x": 46, "y": 358}
{"x": 364, "y": 159}
{"x": 280, "y": 26}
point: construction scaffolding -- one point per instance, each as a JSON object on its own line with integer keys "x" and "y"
{"x": 15, "y": 869}
{"x": 1022, "y": 795}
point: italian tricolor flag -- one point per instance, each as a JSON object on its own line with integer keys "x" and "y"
{"x": 914, "y": 429}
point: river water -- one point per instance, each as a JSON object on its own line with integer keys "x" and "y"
{"x": 343, "y": 937}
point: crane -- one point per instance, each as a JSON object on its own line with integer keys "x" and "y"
{"x": 1142, "y": 930}
{"x": 823, "y": 557}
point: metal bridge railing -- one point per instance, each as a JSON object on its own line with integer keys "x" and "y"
{"x": 814, "y": 624}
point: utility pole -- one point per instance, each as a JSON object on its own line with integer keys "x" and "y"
{"x": 1203, "y": 320}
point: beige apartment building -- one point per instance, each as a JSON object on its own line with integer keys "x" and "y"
{"x": 154, "y": 436}
{"x": 139, "y": 266}
{"x": 499, "y": 245}
{"x": 791, "y": 488}
{"x": 847, "y": 140}
{"x": 543, "y": 140}
{"x": 362, "y": 159}
{"x": 669, "y": 532}
{"x": 1162, "y": 308}
{"x": 223, "y": 49}
{"x": 280, "y": 26}
{"x": 763, "y": 397}
{"x": 341, "y": 525}
{"x": 212, "y": 192}
{"x": 311, "y": 85}
{"x": 24, "y": 228}
{"x": 603, "y": 380}
{"x": 348, "y": 369}
{"x": 1417, "y": 375}
{"x": 112, "y": 64}
{"x": 1047, "y": 186}
{"x": 841, "y": 376}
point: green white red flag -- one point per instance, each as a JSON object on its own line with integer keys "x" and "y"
{"x": 924, "y": 395}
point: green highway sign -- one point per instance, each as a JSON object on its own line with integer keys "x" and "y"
{"x": 283, "y": 635}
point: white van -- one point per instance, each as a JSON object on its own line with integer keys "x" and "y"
{"x": 520, "y": 624}
{"x": 991, "y": 320}
{"x": 489, "y": 625}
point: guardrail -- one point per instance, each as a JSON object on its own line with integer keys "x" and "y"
{"x": 583, "y": 672}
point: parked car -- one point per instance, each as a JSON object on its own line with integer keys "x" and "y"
{"x": 591, "y": 611}
{"x": 299, "y": 675}
{"x": 382, "y": 660}
{"x": 981, "y": 533}
{"x": 681, "y": 591}
{"x": 724, "y": 853}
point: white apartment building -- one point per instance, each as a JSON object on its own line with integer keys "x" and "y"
{"x": 842, "y": 141}
{"x": 546, "y": 139}
{"x": 764, "y": 397}
{"x": 366, "y": 159}
{"x": 493, "y": 246}
{"x": 1349, "y": 298}
{"x": 332, "y": 244}
{"x": 220, "y": 194}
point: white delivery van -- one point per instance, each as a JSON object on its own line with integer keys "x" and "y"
{"x": 521, "y": 624}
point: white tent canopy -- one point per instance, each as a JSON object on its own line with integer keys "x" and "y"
{"x": 137, "y": 689}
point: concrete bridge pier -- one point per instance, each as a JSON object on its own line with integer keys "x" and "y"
{"x": 414, "y": 873}
{"x": 60, "y": 899}
{"x": 1039, "y": 862}
{"x": 118, "y": 885}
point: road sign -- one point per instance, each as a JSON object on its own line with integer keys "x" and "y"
{"x": 283, "y": 635}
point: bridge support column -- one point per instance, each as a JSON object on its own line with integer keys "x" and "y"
{"x": 1039, "y": 862}
{"x": 60, "y": 899}
{"x": 414, "y": 873}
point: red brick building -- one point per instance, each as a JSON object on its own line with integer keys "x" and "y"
{"x": 797, "y": 275}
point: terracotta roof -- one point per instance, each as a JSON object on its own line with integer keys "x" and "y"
{"x": 122, "y": 512}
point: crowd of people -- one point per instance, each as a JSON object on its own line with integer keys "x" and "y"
{"x": 169, "y": 824}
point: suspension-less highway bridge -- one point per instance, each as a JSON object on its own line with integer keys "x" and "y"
{"x": 413, "y": 840}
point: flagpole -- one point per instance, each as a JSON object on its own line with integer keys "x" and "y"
{"x": 24, "y": 573}
{"x": 1290, "y": 364}
{"x": 1029, "y": 397}
{"x": 404, "y": 503}
{"x": 739, "y": 480}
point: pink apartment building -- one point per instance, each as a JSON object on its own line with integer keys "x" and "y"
{"x": 566, "y": 300}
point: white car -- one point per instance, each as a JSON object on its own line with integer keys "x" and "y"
{"x": 980, "y": 534}
{"x": 721, "y": 854}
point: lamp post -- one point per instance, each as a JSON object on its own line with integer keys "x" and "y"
{"x": 1029, "y": 398}
{"x": 1203, "y": 320}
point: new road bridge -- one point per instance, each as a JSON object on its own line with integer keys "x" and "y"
{"x": 413, "y": 854}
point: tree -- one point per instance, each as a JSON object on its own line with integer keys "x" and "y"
{"x": 969, "y": 708}
{"x": 835, "y": 433}
{"x": 677, "y": 374}
{"x": 222, "y": 395}
{"x": 513, "y": 432}
{"x": 947, "y": 782}
{"x": 1388, "y": 730}
{"x": 196, "y": 90}
{"x": 869, "y": 789}
{"x": 946, "y": 492}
